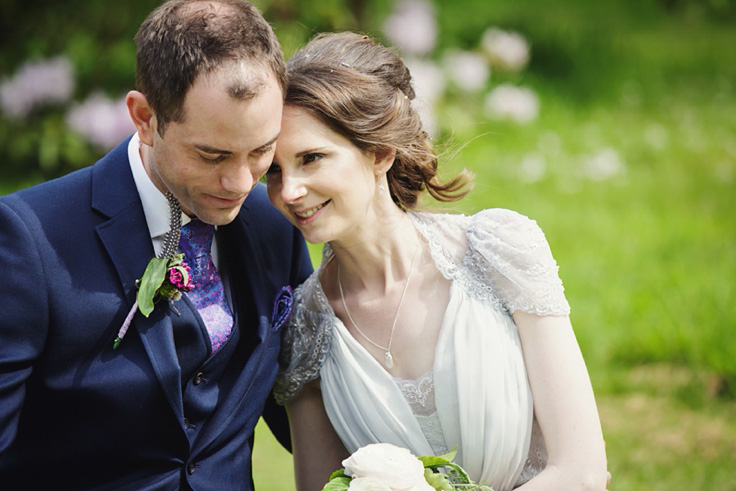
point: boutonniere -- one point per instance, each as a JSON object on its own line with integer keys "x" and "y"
{"x": 166, "y": 276}
{"x": 283, "y": 305}
{"x": 163, "y": 278}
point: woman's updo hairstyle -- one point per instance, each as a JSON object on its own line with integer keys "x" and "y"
{"x": 363, "y": 91}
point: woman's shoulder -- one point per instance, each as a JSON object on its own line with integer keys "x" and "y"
{"x": 500, "y": 226}
{"x": 509, "y": 253}
{"x": 503, "y": 224}
{"x": 306, "y": 340}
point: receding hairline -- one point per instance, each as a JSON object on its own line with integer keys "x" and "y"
{"x": 242, "y": 80}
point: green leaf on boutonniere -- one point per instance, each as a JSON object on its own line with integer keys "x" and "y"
{"x": 149, "y": 284}
{"x": 337, "y": 484}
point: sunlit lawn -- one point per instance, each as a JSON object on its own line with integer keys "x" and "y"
{"x": 631, "y": 172}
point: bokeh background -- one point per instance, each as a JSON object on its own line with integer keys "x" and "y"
{"x": 612, "y": 123}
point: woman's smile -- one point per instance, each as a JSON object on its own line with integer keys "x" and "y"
{"x": 305, "y": 217}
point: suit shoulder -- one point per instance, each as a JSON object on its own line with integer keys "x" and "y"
{"x": 258, "y": 208}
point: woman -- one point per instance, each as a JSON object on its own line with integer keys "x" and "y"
{"x": 427, "y": 331}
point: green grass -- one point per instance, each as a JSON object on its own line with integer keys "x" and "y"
{"x": 648, "y": 256}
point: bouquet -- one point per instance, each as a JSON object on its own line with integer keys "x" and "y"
{"x": 385, "y": 467}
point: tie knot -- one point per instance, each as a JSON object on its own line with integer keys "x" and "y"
{"x": 196, "y": 239}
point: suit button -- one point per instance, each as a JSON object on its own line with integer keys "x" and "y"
{"x": 198, "y": 378}
{"x": 191, "y": 468}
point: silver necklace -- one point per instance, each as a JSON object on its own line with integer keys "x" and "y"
{"x": 389, "y": 359}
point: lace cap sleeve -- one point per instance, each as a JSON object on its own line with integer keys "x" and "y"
{"x": 512, "y": 252}
{"x": 306, "y": 341}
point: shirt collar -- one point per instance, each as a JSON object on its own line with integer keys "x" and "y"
{"x": 155, "y": 204}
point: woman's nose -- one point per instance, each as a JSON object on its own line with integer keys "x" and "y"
{"x": 292, "y": 189}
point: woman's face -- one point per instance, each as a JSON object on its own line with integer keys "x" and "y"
{"x": 320, "y": 181}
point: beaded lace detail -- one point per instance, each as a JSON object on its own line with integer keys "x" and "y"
{"x": 498, "y": 256}
{"x": 419, "y": 394}
{"x": 537, "y": 458}
{"x": 506, "y": 260}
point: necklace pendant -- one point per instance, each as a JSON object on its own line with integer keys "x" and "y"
{"x": 389, "y": 360}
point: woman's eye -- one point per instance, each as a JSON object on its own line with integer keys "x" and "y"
{"x": 311, "y": 157}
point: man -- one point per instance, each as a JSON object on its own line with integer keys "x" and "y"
{"x": 174, "y": 406}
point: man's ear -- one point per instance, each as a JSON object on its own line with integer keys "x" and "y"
{"x": 142, "y": 115}
{"x": 384, "y": 160}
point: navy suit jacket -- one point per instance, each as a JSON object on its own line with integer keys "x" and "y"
{"x": 158, "y": 412}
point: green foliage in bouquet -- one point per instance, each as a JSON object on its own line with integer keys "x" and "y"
{"x": 440, "y": 472}
{"x": 445, "y": 475}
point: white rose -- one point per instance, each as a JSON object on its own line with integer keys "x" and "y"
{"x": 368, "y": 484}
{"x": 396, "y": 467}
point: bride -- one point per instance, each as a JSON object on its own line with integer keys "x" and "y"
{"x": 428, "y": 331}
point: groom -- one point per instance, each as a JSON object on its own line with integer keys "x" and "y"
{"x": 174, "y": 406}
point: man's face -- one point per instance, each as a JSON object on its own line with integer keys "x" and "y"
{"x": 216, "y": 155}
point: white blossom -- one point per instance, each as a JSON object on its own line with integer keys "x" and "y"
{"x": 426, "y": 78}
{"x": 429, "y": 86}
{"x": 532, "y": 168}
{"x": 396, "y": 467}
{"x": 603, "y": 165}
{"x": 412, "y": 27}
{"x": 508, "y": 102}
{"x": 102, "y": 121}
{"x": 368, "y": 484}
{"x": 37, "y": 83}
{"x": 467, "y": 70}
{"x": 427, "y": 116}
{"x": 506, "y": 50}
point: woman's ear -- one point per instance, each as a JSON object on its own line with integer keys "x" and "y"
{"x": 142, "y": 115}
{"x": 384, "y": 160}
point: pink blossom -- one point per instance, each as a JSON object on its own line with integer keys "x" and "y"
{"x": 181, "y": 277}
{"x": 412, "y": 27}
{"x": 102, "y": 121}
{"x": 41, "y": 82}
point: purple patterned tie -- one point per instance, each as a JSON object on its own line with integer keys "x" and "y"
{"x": 208, "y": 294}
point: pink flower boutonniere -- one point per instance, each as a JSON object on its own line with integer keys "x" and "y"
{"x": 163, "y": 278}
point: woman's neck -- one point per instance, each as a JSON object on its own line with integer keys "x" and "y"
{"x": 380, "y": 257}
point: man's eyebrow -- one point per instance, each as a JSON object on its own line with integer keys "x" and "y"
{"x": 266, "y": 145}
{"x": 208, "y": 149}
{"x": 213, "y": 150}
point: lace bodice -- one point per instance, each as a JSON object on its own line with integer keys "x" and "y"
{"x": 498, "y": 262}
{"x": 499, "y": 256}
{"x": 419, "y": 394}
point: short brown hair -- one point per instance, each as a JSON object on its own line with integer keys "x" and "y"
{"x": 183, "y": 39}
{"x": 363, "y": 91}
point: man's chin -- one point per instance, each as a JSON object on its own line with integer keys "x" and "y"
{"x": 218, "y": 217}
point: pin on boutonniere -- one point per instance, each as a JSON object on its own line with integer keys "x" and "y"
{"x": 166, "y": 276}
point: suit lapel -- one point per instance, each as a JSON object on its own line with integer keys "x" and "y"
{"x": 126, "y": 238}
